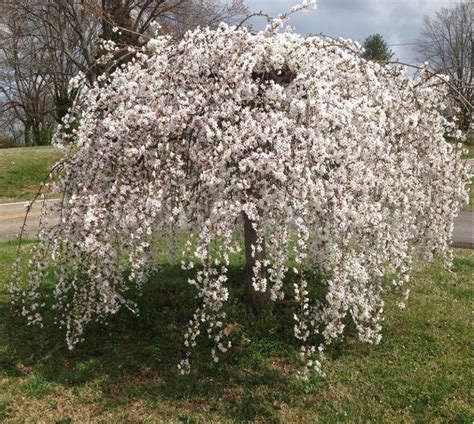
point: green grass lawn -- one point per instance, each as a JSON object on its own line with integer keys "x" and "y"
{"x": 470, "y": 151}
{"x": 469, "y": 154}
{"x": 469, "y": 145}
{"x": 125, "y": 372}
{"x": 470, "y": 206}
{"x": 23, "y": 169}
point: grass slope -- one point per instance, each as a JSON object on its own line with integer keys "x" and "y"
{"x": 470, "y": 205}
{"x": 469, "y": 154}
{"x": 125, "y": 372}
{"x": 469, "y": 146}
{"x": 22, "y": 170}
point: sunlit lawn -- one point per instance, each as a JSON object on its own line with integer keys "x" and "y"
{"x": 126, "y": 371}
{"x": 470, "y": 206}
{"x": 469, "y": 154}
{"x": 23, "y": 169}
{"x": 469, "y": 147}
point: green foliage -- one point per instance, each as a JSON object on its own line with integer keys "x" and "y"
{"x": 45, "y": 135}
{"x": 376, "y": 48}
{"x": 125, "y": 371}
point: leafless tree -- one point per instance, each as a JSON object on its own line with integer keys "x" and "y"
{"x": 23, "y": 80}
{"x": 65, "y": 37}
{"x": 447, "y": 44}
{"x": 190, "y": 14}
{"x": 66, "y": 33}
{"x": 74, "y": 27}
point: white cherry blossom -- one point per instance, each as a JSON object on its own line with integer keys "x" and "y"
{"x": 340, "y": 164}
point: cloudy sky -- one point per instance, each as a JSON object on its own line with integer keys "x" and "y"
{"x": 399, "y": 21}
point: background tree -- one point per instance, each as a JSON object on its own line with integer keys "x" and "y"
{"x": 24, "y": 78}
{"x": 376, "y": 48}
{"x": 46, "y": 43}
{"x": 447, "y": 44}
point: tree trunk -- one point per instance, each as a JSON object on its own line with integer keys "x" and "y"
{"x": 260, "y": 301}
{"x": 36, "y": 134}
{"x": 465, "y": 118}
{"x": 27, "y": 134}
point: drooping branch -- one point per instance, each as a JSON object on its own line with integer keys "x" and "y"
{"x": 332, "y": 162}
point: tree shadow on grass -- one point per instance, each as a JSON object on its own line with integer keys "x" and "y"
{"x": 135, "y": 357}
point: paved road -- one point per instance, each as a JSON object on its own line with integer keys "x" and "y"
{"x": 12, "y": 214}
{"x": 463, "y": 234}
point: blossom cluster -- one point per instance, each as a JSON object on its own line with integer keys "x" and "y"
{"x": 341, "y": 164}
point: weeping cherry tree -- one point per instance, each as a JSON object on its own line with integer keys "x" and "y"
{"x": 319, "y": 157}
